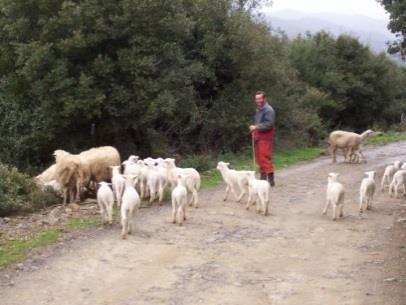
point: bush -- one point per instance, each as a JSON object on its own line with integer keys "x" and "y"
{"x": 20, "y": 194}
{"x": 200, "y": 162}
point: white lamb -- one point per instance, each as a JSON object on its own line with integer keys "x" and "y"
{"x": 118, "y": 182}
{"x": 105, "y": 199}
{"x": 156, "y": 181}
{"x": 143, "y": 178}
{"x": 387, "y": 177}
{"x": 335, "y": 195}
{"x": 367, "y": 191}
{"x": 258, "y": 190}
{"x": 233, "y": 179}
{"x": 130, "y": 204}
{"x": 398, "y": 180}
{"x": 192, "y": 178}
{"x": 179, "y": 201}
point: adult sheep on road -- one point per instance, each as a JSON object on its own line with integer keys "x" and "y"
{"x": 347, "y": 141}
{"x": 72, "y": 172}
{"x": 100, "y": 159}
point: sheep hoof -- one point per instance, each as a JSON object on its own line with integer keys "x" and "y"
{"x": 124, "y": 236}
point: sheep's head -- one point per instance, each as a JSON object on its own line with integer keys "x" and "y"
{"x": 397, "y": 164}
{"x": 169, "y": 163}
{"x": 332, "y": 177}
{"x": 130, "y": 180}
{"x": 133, "y": 159}
{"x": 371, "y": 174}
{"x": 222, "y": 165}
{"x": 59, "y": 154}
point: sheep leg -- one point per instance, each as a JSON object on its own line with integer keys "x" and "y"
{"x": 334, "y": 211}
{"x": 174, "y": 209}
{"x": 180, "y": 215}
{"x": 65, "y": 196}
{"x": 361, "y": 203}
{"x": 195, "y": 198}
{"x": 261, "y": 202}
{"x": 110, "y": 214}
{"x": 161, "y": 194}
{"x": 326, "y": 207}
{"x": 341, "y": 208}
{"x": 383, "y": 183}
{"x": 124, "y": 227}
{"x": 242, "y": 187}
{"x": 333, "y": 153}
{"x": 227, "y": 191}
{"x": 184, "y": 212}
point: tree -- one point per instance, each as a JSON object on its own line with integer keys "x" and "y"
{"x": 397, "y": 25}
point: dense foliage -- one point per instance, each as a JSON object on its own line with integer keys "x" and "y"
{"x": 159, "y": 77}
{"x": 19, "y": 193}
{"x": 397, "y": 24}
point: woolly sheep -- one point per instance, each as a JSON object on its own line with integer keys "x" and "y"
{"x": 349, "y": 141}
{"x": 118, "y": 183}
{"x": 179, "y": 201}
{"x": 156, "y": 181}
{"x": 258, "y": 190}
{"x": 398, "y": 180}
{"x": 100, "y": 159}
{"x": 105, "y": 199}
{"x": 233, "y": 179}
{"x": 46, "y": 176}
{"x": 390, "y": 170}
{"x": 72, "y": 173}
{"x": 335, "y": 195}
{"x": 192, "y": 180}
{"x": 367, "y": 191}
{"x": 130, "y": 204}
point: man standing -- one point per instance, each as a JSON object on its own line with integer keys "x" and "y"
{"x": 263, "y": 132}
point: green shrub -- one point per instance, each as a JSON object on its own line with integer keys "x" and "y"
{"x": 20, "y": 194}
{"x": 200, "y": 162}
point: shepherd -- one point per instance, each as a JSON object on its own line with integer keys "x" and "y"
{"x": 262, "y": 133}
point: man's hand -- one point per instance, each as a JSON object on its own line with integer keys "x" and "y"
{"x": 252, "y": 128}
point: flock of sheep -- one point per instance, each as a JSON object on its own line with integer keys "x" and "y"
{"x": 99, "y": 169}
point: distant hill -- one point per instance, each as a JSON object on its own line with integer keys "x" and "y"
{"x": 372, "y": 32}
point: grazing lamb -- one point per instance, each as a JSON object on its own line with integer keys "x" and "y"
{"x": 348, "y": 141}
{"x": 130, "y": 204}
{"x": 118, "y": 182}
{"x": 335, "y": 195}
{"x": 192, "y": 180}
{"x": 179, "y": 201}
{"x": 387, "y": 177}
{"x": 46, "y": 176}
{"x": 367, "y": 191}
{"x": 105, "y": 199}
{"x": 398, "y": 180}
{"x": 233, "y": 178}
{"x": 258, "y": 190}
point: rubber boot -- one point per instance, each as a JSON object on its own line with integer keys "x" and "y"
{"x": 271, "y": 179}
{"x": 263, "y": 176}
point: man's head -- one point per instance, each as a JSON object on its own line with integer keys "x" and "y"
{"x": 260, "y": 99}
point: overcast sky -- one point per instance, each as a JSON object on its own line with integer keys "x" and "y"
{"x": 369, "y": 8}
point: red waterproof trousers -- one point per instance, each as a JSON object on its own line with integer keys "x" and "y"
{"x": 263, "y": 150}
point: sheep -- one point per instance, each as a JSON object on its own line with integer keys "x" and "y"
{"x": 179, "y": 201}
{"x": 156, "y": 182}
{"x": 233, "y": 178}
{"x": 346, "y": 140}
{"x": 143, "y": 178}
{"x": 258, "y": 189}
{"x": 390, "y": 170}
{"x": 118, "y": 182}
{"x": 100, "y": 159}
{"x": 46, "y": 176}
{"x": 367, "y": 191}
{"x": 335, "y": 195}
{"x": 72, "y": 172}
{"x": 130, "y": 204}
{"x": 105, "y": 199}
{"x": 192, "y": 180}
{"x": 398, "y": 180}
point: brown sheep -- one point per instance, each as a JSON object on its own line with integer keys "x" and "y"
{"x": 100, "y": 159}
{"x": 72, "y": 173}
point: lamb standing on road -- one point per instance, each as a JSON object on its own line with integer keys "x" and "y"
{"x": 398, "y": 180}
{"x": 233, "y": 179}
{"x": 130, "y": 204}
{"x": 367, "y": 191}
{"x": 118, "y": 182}
{"x": 335, "y": 195}
{"x": 192, "y": 178}
{"x": 258, "y": 190}
{"x": 105, "y": 199}
{"x": 347, "y": 141}
{"x": 387, "y": 177}
{"x": 179, "y": 201}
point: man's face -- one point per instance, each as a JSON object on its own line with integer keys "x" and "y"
{"x": 259, "y": 100}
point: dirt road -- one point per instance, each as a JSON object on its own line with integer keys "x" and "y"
{"x": 227, "y": 255}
